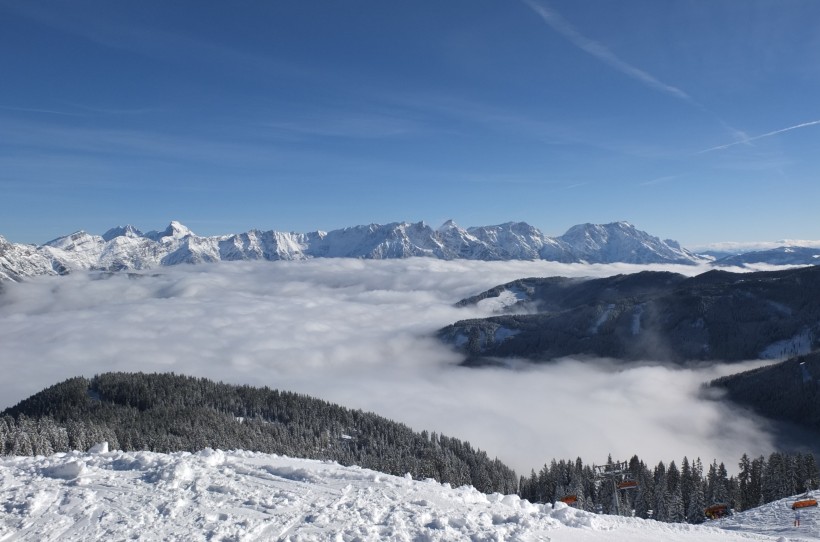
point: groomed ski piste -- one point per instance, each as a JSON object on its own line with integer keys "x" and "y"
{"x": 239, "y": 496}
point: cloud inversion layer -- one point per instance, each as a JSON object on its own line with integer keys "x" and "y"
{"x": 358, "y": 333}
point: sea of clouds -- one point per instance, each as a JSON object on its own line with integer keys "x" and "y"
{"x": 360, "y": 333}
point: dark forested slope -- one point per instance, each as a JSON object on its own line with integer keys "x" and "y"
{"x": 661, "y": 316}
{"x": 167, "y": 412}
{"x": 788, "y": 391}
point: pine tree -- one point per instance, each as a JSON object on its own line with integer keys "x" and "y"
{"x": 576, "y": 487}
{"x": 685, "y": 482}
{"x": 721, "y": 492}
{"x": 661, "y": 496}
{"x": 756, "y": 482}
{"x": 773, "y": 478}
{"x": 697, "y": 500}
{"x": 644, "y": 496}
{"x": 674, "y": 502}
{"x": 676, "y": 512}
{"x": 744, "y": 482}
{"x": 810, "y": 471}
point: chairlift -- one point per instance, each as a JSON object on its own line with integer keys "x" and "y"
{"x": 570, "y": 500}
{"x": 627, "y": 484}
{"x": 804, "y": 501}
{"x": 717, "y": 511}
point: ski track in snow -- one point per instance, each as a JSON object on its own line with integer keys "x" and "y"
{"x": 242, "y": 496}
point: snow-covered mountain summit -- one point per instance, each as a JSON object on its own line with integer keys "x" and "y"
{"x": 126, "y": 247}
{"x": 622, "y": 242}
{"x": 20, "y": 261}
{"x": 122, "y": 231}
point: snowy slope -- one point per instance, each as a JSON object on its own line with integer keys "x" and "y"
{"x": 214, "y": 495}
{"x": 126, "y": 247}
{"x": 777, "y": 520}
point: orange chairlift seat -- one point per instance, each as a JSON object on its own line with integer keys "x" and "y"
{"x": 628, "y": 484}
{"x": 807, "y": 502}
{"x": 716, "y": 511}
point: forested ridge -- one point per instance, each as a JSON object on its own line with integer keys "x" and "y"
{"x": 168, "y": 412}
{"x": 789, "y": 390}
{"x": 651, "y": 315}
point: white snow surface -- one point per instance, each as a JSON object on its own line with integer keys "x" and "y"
{"x": 238, "y": 495}
{"x": 777, "y": 520}
{"x": 798, "y": 345}
{"x": 503, "y": 301}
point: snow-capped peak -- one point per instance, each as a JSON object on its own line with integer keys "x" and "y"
{"x": 449, "y": 225}
{"x": 122, "y": 231}
{"x": 175, "y": 230}
{"x": 622, "y": 242}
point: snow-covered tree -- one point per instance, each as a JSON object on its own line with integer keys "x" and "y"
{"x": 697, "y": 500}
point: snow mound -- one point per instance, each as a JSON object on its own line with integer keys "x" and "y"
{"x": 99, "y": 448}
{"x": 70, "y": 470}
{"x": 238, "y": 495}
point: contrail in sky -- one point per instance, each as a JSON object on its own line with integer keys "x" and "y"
{"x": 599, "y": 51}
{"x": 755, "y": 138}
{"x": 560, "y": 25}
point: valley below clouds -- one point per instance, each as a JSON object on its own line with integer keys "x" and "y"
{"x": 361, "y": 333}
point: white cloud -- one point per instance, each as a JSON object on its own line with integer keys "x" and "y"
{"x": 359, "y": 333}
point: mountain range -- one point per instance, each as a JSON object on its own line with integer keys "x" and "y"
{"x": 785, "y": 255}
{"x": 651, "y": 315}
{"x": 127, "y": 248}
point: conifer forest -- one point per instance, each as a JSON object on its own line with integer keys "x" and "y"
{"x": 168, "y": 412}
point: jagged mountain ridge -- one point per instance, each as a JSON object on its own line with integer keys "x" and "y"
{"x": 127, "y": 248}
{"x": 658, "y": 316}
{"x": 20, "y": 261}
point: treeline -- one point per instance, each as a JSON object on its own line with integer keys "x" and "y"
{"x": 168, "y": 412}
{"x": 672, "y": 493}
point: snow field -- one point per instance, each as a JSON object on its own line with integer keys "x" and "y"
{"x": 777, "y": 520}
{"x": 242, "y": 496}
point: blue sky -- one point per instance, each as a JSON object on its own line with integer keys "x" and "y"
{"x": 696, "y": 121}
